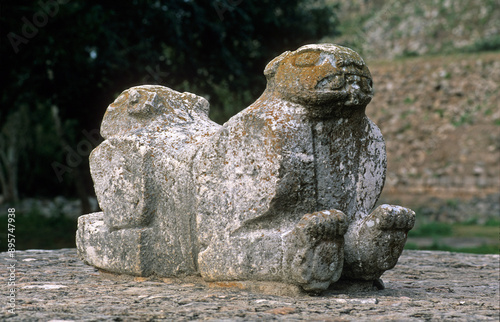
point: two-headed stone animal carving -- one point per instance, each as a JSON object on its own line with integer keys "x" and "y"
{"x": 283, "y": 191}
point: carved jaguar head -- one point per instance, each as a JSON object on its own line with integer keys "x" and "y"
{"x": 325, "y": 75}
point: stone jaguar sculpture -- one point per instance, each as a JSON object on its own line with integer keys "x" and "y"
{"x": 284, "y": 191}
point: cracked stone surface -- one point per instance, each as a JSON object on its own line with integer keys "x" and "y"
{"x": 424, "y": 286}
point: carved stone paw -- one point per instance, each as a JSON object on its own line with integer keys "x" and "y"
{"x": 376, "y": 242}
{"x": 313, "y": 250}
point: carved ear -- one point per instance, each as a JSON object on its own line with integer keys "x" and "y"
{"x": 273, "y": 65}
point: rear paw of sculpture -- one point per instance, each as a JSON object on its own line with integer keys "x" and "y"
{"x": 375, "y": 245}
{"x": 314, "y": 250}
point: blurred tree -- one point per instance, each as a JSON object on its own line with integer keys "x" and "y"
{"x": 64, "y": 61}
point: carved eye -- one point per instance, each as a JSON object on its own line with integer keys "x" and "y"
{"x": 307, "y": 59}
{"x": 338, "y": 81}
{"x": 331, "y": 82}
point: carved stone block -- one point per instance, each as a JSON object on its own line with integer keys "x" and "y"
{"x": 284, "y": 191}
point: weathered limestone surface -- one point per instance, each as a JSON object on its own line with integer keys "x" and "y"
{"x": 284, "y": 191}
{"x": 144, "y": 183}
{"x": 424, "y": 286}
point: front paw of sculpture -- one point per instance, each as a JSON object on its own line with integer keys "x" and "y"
{"x": 314, "y": 250}
{"x": 375, "y": 244}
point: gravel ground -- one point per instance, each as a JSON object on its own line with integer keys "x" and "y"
{"x": 424, "y": 286}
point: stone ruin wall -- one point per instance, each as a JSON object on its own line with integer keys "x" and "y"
{"x": 441, "y": 123}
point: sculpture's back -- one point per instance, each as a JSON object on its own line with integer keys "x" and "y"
{"x": 144, "y": 184}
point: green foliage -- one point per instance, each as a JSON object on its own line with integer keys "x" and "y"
{"x": 432, "y": 229}
{"x": 466, "y": 118}
{"x": 491, "y": 43}
{"x": 452, "y": 203}
{"x": 86, "y": 52}
{"x": 408, "y": 53}
{"x": 492, "y": 223}
{"x": 408, "y": 100}
{"x": 33, "y": 230}
{"x": 488, "y": 112}
{"x": 470, "y": 229}
{"x": 405, "y": 127}
{"x": 470, "y": 221}
{"x": 231, "y": 101}
{"x": 483, "y": 249}
{"x": 440, "y": 112}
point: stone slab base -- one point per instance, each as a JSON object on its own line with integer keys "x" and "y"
{"x": 424, "y": 286}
